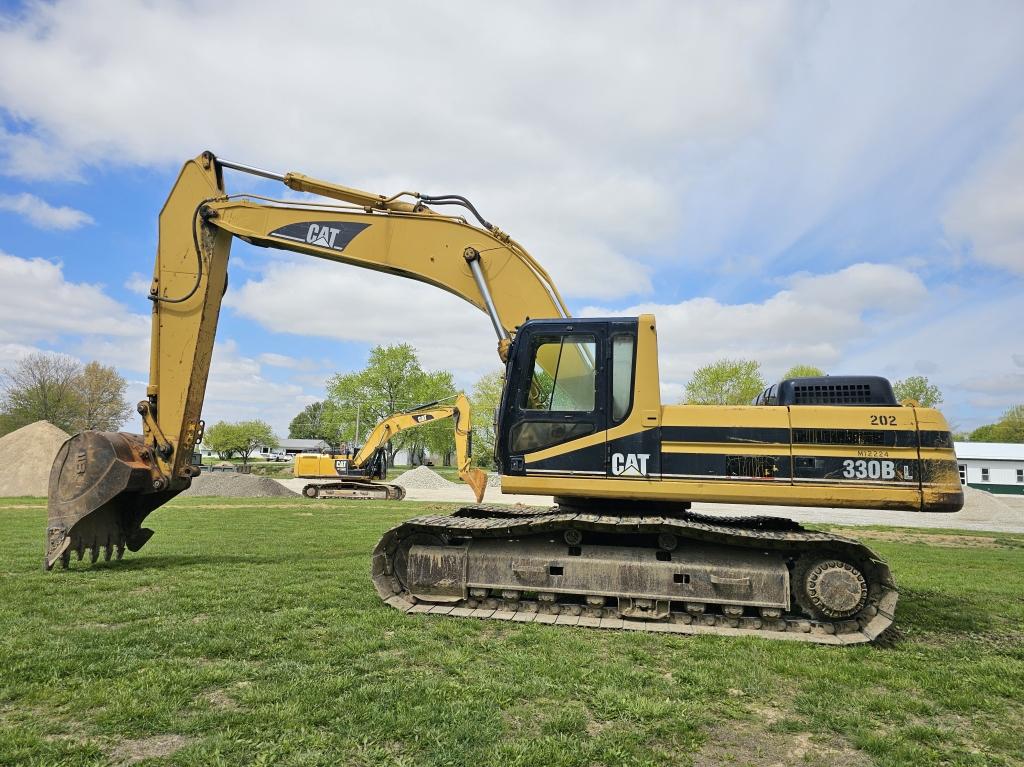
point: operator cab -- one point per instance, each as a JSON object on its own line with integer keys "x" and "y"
{"x": 565, "y": 379}
{"x": 829, "y": 390}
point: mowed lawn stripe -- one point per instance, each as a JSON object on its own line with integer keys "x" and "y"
{"x": 247, "y": 632}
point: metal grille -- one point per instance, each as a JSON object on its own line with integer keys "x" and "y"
{"x": 832, "y": 394}
{"x": 844, "y": 437}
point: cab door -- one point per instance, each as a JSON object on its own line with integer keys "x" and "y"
{"x": 632, "y": 452}
{"x": 554, "y": 410}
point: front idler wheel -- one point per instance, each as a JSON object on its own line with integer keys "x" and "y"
{"x": 832, "y": 589}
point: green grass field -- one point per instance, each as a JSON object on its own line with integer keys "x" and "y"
{"x": 247, "y": 632}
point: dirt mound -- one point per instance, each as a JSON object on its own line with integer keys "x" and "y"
{"x": 26, "y": 456}
{"x": 423, "y": 478}
{"x": 229, "y": 485}
{"x": 979, "y": 504}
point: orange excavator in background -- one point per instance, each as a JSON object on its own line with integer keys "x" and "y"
{"x": 581, "y": 418}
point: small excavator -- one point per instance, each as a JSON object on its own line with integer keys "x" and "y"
{"x": 581, "y": 419}
{"x": 358, "y": 476}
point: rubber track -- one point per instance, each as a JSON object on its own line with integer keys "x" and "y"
{"x": 748, "y": 532}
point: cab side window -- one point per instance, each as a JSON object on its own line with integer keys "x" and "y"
{"x": 622, "y": 376}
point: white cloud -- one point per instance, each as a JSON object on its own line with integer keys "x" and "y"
{"x": 238, "y": 390}
{"x": 138, "y": 283}
{"x": 987, "y": 211}
{"x": 41, "y": 214}
{"x": 37, "y": 303}
{"x": 813, "y": 321}
{"x": 11, "y": 354}
{"x": 40, "y": 308}
{"x": 316, "y": 298}
{"x": 560, "y": 142}
{"x": 285, "y": 361}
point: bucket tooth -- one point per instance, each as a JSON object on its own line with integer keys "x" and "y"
{"x": 101, "y": 489}
{"x": 137, "y": 540}
{"x": 107, "y": 551}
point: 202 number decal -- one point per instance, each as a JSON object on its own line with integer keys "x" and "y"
{"x": 869, "y": 469}
{"x": 883, "y": 420}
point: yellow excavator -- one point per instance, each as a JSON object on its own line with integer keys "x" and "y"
{"x": 357, "y": 476}
{"x": 581, "y": 418}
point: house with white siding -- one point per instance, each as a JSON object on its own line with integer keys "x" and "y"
{"x": 997, "y": 467}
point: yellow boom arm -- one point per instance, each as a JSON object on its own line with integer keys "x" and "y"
{"x": 103, "y": 485}
{"x": 399, "y": 422}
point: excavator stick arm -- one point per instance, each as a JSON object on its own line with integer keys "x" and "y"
{"x": 103, "y": 484}
{"x": 386, "y": 429}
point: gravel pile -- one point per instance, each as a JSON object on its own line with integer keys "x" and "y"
{"x": 423, "y": 478}
{"x": 493, "y": 479}
{"x": 981, "y": 505}
{"x": 26, "y": 456}
{"x": 229, "y": 485}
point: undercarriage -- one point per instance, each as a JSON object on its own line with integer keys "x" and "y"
{"x": 683, "y": 573}
{"x": 355, "y": 490}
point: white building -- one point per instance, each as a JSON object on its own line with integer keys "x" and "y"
{"x": 997, "y": 467}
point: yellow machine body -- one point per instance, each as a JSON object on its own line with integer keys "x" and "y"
{"x": 581, "y": 419}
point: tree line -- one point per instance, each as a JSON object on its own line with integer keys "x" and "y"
{"x": 59, "y": 389}
{"x": 738, "y": 382}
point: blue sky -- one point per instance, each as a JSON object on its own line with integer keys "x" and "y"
{"x": 840, "y": 185}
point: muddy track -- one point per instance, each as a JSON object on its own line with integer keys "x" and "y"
{"x": 806, "y": 555}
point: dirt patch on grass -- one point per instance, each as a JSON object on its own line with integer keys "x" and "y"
{"x": 139, "y": 749}
{"x": 224, "y": 698}
{"x": 934, "y": 539}
{"x": 752, "y": 744}
{"x": 244, "y": 507}
{"x": 220, "y": 699}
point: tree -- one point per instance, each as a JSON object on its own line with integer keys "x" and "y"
{"x": 486, "y": 399}
{"x": 242, "y": 438}
{"x": 726, "y": 382}
{"x": 103, "y": 405}
{"x": 1011, "y": 425}
{"x": 392, "y": 380}
{"x": 56, "y": 388}
{"x": 1009, "y": 428}
{"x": 320, "y": 420}
{"x": 251, "y": 436}
{"x": 802, "y": 371}
{"x": 918, "y": 389}
{"x": 221, "y": 439}
{"x": 42, "y": 387}
{"x": 438, "y": 438}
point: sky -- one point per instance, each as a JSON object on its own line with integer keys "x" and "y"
{"x": 835, "y": 184}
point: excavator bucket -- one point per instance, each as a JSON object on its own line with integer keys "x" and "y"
{"x": 101, "y": 488}
{"x": 477, "y": 480}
